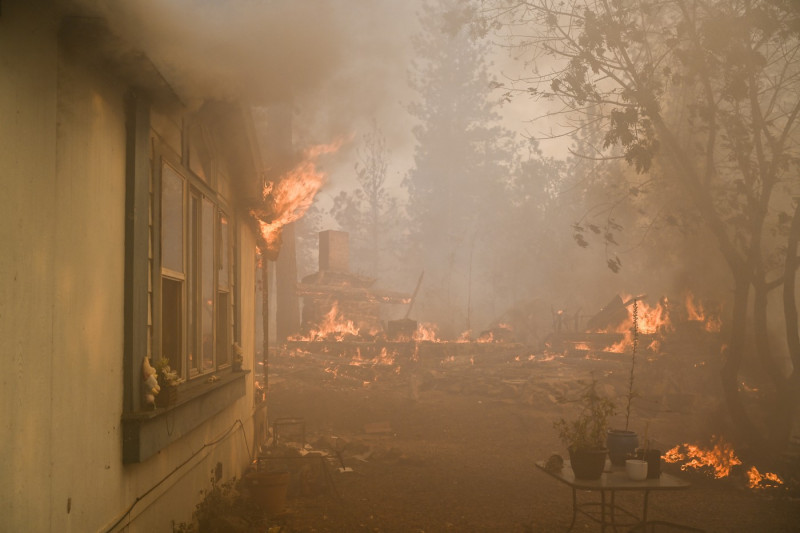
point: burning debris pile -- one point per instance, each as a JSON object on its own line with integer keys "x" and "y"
{"x": 342, "y": 328}
{"x": 611, "y": 329}
{"x": 719, "y": 461}
{"x": 338, "y": 303}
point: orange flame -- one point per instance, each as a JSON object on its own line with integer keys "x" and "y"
{"x": 696, "y": 312}
{"x": 332, "y": 327}
{"x": 289, "y": 198}
{"x": 426, "y": 332}
{"x": 651, "y": 320}
{"x": 762, "y": 481}
{"x": 719, "y": 459}
{"x": 489, "y": 336}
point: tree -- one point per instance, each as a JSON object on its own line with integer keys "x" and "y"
{"x": 371, "y": 213}
{"x": 709, "y": 89}
{"x": 460, "y": 165}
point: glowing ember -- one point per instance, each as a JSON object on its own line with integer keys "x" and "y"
{"x": 496, "y": 334}
{"x": 759, "y": 481}
{"x": 289, "y": 198}
{"x": 719, "y": 459}
{"x": 383, "y": 358}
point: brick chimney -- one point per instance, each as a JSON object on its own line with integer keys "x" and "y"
{"x": 334, "y": 251}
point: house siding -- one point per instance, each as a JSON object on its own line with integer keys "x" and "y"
{"x": 62, "y": 228}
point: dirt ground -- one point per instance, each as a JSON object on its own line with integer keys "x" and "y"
{"x": 449, "y": 444}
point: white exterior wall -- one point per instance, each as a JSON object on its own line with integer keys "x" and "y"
{"x": 62, "y": 224}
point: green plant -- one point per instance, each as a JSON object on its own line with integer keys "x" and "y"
{"x": 222, "y": 509}
{"x": 588, "y": 430}
{"x": 165, "y": 375}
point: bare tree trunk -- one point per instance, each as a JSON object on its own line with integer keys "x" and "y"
{"x": 792, "y": 395}
{"x": 732, "y": 362}
{"x": 789, "y": 284}
{"x": 761, "y": 330}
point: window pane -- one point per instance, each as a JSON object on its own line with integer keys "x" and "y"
{"x": 171, "y": 320}
{"x": 223, "y": 328}
{"x": 207, "y": 274}
{"x": 224, "y": 253}
{"x": 171, "y": 219}
{"x": 192, "y": 310}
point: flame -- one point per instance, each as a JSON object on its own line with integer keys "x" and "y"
{"x": 383, "y": 358}
{"x": 332, "y": 327}
{"x": 289, "y": 198}
{"x": 762, "y": 481}
{"x": 582, "y": 346}
{"x": 489, "y": 336}
{"x": 427, "y": 332}
{"x": 719, "y": 459}
{"x": 650, "y": 321}
{"x": 711, "y": 322}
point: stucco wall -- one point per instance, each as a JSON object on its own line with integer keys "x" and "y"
{"x": 27, "y": 264}
{"x": 62, "y": 222}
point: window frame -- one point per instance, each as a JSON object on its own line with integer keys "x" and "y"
{"x": 147, "y": 431}
{"x": 193, "y": 187}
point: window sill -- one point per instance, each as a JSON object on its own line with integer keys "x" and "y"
{"x": 144, "y": 433}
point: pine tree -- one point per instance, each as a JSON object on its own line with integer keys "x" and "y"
{"x": 460, "y": 159}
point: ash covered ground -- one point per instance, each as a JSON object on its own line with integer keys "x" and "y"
{"x": 449, "y": 443}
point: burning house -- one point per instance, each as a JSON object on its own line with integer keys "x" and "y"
{"x": 336, "y": 295}
{"x": 128, "y": 246}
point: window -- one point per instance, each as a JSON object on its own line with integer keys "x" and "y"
{"x": 196, "y": 319}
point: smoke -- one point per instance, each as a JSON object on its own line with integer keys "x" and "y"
{"x": 341, "y": 56}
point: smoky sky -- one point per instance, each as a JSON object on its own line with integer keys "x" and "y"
{"x": 342, "y": 58}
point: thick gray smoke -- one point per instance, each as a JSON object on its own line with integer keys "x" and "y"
{"x": 343, "y": 57}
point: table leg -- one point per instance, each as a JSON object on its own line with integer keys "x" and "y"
{"x": 613, "y": 511}
{"x": 644, "y": 509}
{"x": 603, "y": 510}
{"x": 574, "y": 508}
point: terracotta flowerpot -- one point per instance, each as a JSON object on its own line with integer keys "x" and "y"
{"x": 588, "y": 463}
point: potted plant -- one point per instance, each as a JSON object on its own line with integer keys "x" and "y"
{"x": 585, "y": 435}
{"x": 168, "y": 381}
{"x": 622, "y": 443}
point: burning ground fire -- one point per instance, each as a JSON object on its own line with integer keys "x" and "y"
{"x": 718, "y": 461}
{"x": 348, "y": 351}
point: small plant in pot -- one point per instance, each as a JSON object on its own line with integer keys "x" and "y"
{"x": 168, "y": 381}
{"x": 622, "y": 443}
{"x": 585, "y": 435}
